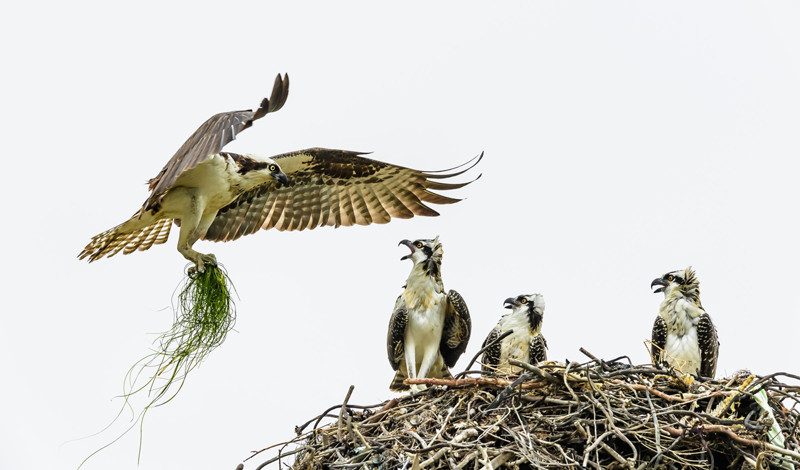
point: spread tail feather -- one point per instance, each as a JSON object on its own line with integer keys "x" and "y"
{"x": 127, "y": 237}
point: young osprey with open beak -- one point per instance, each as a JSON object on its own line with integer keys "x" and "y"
{"x": 525, "y": 344}
{"x": 683, "y": 335}
{"x": 429, "y": 329}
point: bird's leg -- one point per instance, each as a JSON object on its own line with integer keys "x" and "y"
{"x": 428, "y": 359}
{"x": 411, "y": 365}
{"x": 193, "y": 226}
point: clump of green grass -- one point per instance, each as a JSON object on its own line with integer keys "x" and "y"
{"x": 204, "y": 314}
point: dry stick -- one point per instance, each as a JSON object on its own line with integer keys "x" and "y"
{"x": 280, "y": 456}
{"x": 592, "y": 357}
{"x": 607, "y": 448}
{"x": 341, "y": 412}
{"x": 741, "y": 440}
{"x": 484, "y": 348}
{"x": 470, "y": 381}
{"x": 531, "y": 368}
{"x": 655, "y": 422}
{"x": 501, "y": 397}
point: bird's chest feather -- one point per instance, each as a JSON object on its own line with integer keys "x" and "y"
{"x": 681, "y": 347}
{"x": 681, "y": 316}
{"x": 517, "y": 344}
{"x": 426, "y": 308}
{"x": 215, "y": 182}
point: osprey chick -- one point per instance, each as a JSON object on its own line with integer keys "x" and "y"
{"x": 429, "y": 328}
{"x": 220, "y": 196}
{"x": 683, "y": 335}
{"x": 525, "y": 344}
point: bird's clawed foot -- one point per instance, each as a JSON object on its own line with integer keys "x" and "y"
{"x": 201, "y": 262}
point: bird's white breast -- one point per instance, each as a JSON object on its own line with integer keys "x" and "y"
{"x": 426, "y": 309}
{"x": 517, "y": 344}
{"x": 682, "y": 349}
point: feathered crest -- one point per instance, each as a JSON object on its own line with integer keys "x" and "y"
{"x": 433, "y": 264}
{"x": 437, "y": 250}
{"x": 691, "y": 286}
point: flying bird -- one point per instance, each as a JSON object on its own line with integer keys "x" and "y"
{"x": 525, "y": 343}
{"x": 683, "y": 335}
{"x": 429, "y": 328}
{"x": 220, "y": 196}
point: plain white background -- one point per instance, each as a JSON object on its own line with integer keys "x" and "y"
{"x": 623, "y": 140}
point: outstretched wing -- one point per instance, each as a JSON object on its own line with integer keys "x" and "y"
{"x": 491, "y": 357}
{"x": 658, "y": 339}
{"x": 333, "y": 187}
{"x": 537, "y": 349}
{"x": 457, "y": 328}
{"x": 211, "y": 137}
{"x": 708, "y": 342}
{"x": 395, "y": 340}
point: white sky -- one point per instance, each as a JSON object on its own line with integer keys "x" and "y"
{"x": 622, "y": 140}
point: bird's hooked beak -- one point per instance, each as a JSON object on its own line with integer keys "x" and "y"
{"x": 658, "y": 282}
{"x": 283, "y": 180}
{"x": 510, "y": 302}
{"x": 410, "y": 247}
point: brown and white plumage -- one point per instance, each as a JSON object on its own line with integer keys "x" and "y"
{"x": 683, "y": 334}
{"x": 429, "y": 329}
{"x": 525, "y": 343}
{"x": 221, "y": 196}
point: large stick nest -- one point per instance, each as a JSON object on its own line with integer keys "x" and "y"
{"x": 593, "y": 415}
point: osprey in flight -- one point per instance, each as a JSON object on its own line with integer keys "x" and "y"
{"x": 525, "y": 344}
{"x": 429, "y": 328}
{"x": 220, "y": 196}
{"x": 683, "y": 335}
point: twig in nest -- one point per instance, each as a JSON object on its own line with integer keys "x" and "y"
{"x": 481, "y": 351}
{"x": 342, "y": 410}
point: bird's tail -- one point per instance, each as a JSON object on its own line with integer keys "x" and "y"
{"x": 397, "y": 383}
{"x": 401, "y": 375}
{"x": 127, "y": 237}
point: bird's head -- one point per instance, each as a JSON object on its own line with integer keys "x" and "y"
{"x": 425, "y": 253}
{"x": 275, "y": 171}
{"x": 530, "y": 305}
{"x": 680, "y": 282}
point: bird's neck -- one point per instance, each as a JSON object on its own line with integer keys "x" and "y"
{"x": 680, "y": 312}
{"x": 423, "y": 287}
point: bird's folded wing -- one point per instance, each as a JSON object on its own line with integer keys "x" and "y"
{"x": 708, "y": 342}
{"x": 658, "y": 339}
{"x": 537, "y": 349}
{"x": 395, "y": 338}
{"x": 333, "y": 188}
{"x": 457, "y": 329}
{"x": 491, "y": 357}
{"x": 211, "y": 137}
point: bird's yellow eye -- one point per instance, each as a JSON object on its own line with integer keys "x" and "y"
{"x": 273, "y": 167}
{"x": 419, "y": 245}
{"x": 523, "y": 301}
{"x": 670, "y": 277}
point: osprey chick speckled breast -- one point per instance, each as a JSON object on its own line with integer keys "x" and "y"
{"x": 220, "y": 196}
{"x": 429, "y": 328}
{"x": 525, "y": 344}
{"x": 683, "y": 335}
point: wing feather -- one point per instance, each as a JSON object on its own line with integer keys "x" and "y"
{"x": 395, "y": 340}
{"x": 537, "y": 349}
{"x": 709, "y": 346}
{"x": 491, "y": 357}
{"x": 210, "y": 138}
{"x": 659, "y": 340}
{"x": 333, "y": 188}
{"x": 457, "y": 329}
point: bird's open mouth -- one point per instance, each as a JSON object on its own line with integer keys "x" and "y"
{"x": 658, "y": 282}
{"x": 410, "y": 247}
{"x": 510, "y": 303}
